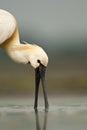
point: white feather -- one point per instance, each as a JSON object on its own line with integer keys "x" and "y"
{"x": 21, "y": 53}
{"x": 7, "y": 25}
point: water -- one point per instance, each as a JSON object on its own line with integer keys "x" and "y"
{"x": 65, "y": 113}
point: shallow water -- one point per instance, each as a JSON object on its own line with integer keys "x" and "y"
{"x": 65, "y": 113}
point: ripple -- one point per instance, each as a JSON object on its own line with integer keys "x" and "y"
{"x": 56, "y": 108}
{"x": 15, "y": 109}
{"x": 69, "y": 109}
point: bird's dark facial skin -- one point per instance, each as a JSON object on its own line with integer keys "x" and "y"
{"x": 40, "y": 75}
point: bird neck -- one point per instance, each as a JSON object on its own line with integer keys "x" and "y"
{"x": 12, "y": 41}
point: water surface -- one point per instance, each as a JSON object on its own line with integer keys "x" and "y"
{"x": 65, "y": 113}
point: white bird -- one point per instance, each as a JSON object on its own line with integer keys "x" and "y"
{"x": 23, "y": 53}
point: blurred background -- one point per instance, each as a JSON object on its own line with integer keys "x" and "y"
{"x": 60, "y": 27}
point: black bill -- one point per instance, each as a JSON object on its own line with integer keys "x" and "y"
{"x": 40, "y": 75}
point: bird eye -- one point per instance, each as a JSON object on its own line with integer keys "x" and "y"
{"x": 38, "y": 61}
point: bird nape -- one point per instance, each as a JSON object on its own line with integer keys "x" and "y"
{"x": 23, "y": 53}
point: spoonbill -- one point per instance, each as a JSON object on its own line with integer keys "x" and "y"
{"x": 23, "y": 53}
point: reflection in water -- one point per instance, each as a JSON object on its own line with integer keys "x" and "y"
{"x": 38, "y": 121}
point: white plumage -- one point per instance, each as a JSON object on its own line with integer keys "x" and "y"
{"x": 7, "y": 25}
{"x": 9, "y": 41}
{"x": 23, "y": 53}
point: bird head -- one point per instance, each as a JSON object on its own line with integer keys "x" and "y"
{"x": 37, "y": 57}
